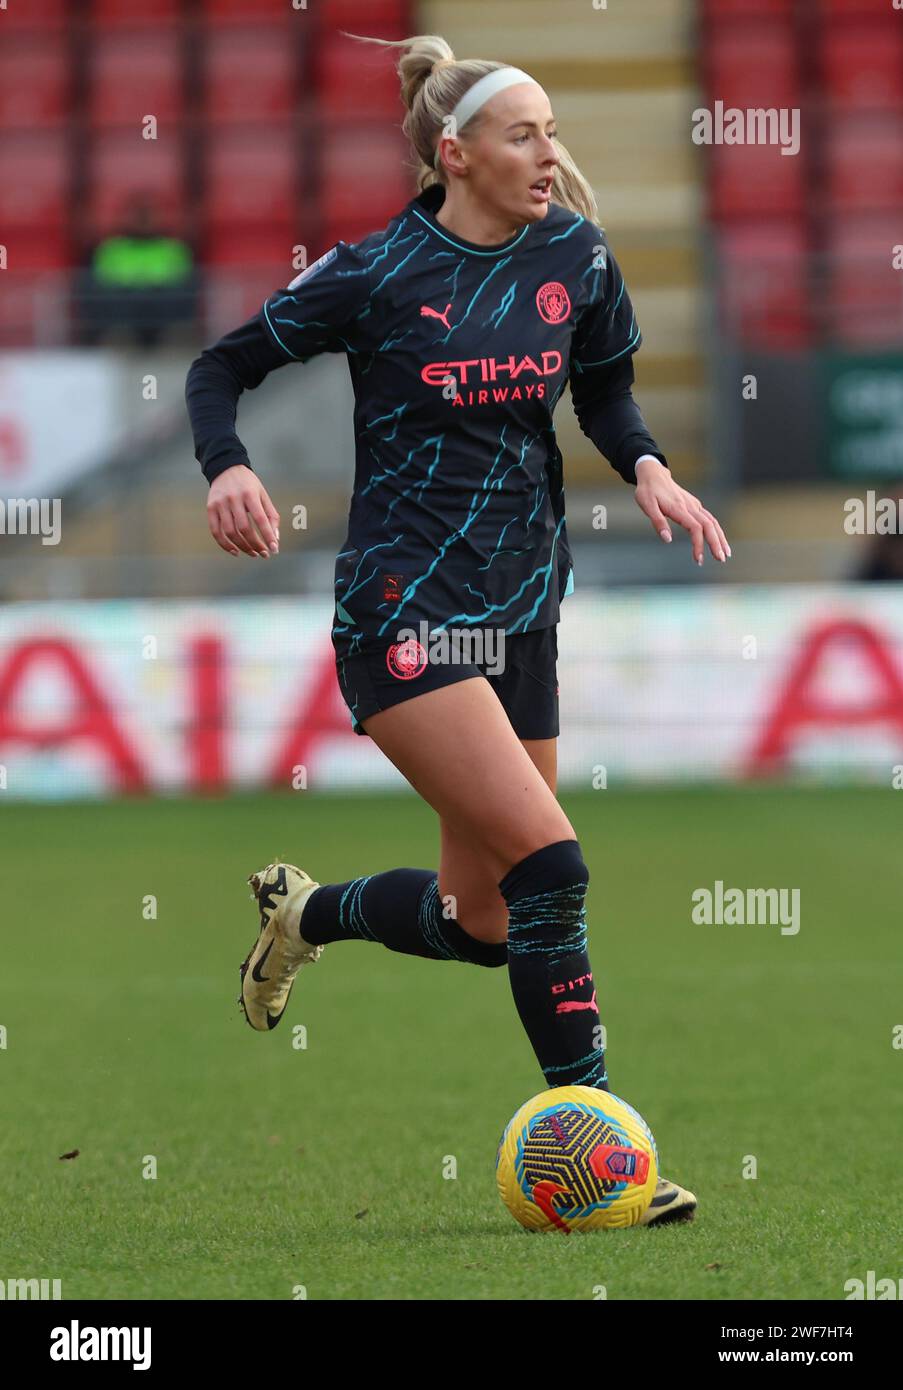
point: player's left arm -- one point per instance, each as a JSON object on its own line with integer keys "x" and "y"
{"x": 600, "y": 377}
{"x": 662, "y": 499}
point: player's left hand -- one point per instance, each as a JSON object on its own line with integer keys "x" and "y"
{"x": 661, "y": 498}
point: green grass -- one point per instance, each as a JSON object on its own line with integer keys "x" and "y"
{"x": 323, "y": 1167}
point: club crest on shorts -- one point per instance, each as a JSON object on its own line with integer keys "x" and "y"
{"x": 553, "y": 302}
{"x": 406, "y": 659}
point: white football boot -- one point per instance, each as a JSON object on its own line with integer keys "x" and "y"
{"x": 268, "y": 973}
{"x": 670, "y": 1203}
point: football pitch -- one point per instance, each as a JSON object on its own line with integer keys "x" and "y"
{"x": 354, "y": 1158}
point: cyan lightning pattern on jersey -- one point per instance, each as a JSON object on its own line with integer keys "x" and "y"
{"x": 458, "y": 354}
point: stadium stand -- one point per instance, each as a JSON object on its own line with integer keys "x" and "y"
{"x": 258, "y": 152}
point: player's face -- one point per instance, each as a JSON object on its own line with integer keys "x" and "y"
{"x": 514, "y": 151}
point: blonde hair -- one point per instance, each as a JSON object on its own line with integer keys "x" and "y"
{"x": 432, "y": 83}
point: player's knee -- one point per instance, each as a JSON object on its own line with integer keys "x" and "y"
{"x": 545, "y": 894}
{"x": 555, "y": 867}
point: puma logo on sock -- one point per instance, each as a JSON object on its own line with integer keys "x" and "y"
{"x": 569, "y": 1006}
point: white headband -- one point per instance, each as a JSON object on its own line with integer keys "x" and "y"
{"x": 486, "y": 87}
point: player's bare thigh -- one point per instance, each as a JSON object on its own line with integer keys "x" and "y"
{"x": 457, "y": 748}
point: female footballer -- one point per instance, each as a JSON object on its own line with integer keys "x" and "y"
{"x": 462, "y": 321}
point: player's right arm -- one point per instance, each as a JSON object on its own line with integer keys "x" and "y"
{"x": 240, "y": 512}
{"x": 325, "y": 309}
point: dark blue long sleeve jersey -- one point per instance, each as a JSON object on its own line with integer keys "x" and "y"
{"x": 458, "y": 354}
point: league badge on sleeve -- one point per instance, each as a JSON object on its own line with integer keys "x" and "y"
{"x": 316, "y": 266}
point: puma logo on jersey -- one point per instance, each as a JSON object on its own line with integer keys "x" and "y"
{"x": 427, "y": 313}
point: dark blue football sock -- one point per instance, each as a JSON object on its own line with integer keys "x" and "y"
{"x": 402, "y": 910}
{"x": 548, "y": 964}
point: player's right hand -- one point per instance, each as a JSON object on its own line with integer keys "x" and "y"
{"x": 241, "y": 515}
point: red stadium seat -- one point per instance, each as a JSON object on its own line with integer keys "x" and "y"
{"x": 873, "y": 10}
{"x": 716, "y": 10}
{"x": 752, "y": 65}
{"x": 354, "y": 229}
{"x": 35, "y": 14}
{"x": 122, "y": 167}
{"x": 376, "y": 17}
{"x": 252, "y": 179}
{"x": 355, "y": 81}
{"x": 47, "y": 247}
{"x": 862, "y": 65}
{"x": 252, "y": 11}
{"x": 267, "y": 245}
{"x": 250, "y": 75}
{"x": 863, "y": 303}
{"x": 34, "y": 81}
{"x": 864, "y": 157}
{"x": 764, "y": 291}
{"x": 133, "y": 77}
{"x": 108, "y": 13}
{"x": 34, "y": 182}
{"x": 755, "y": 180}
{"x": 363, "y": 184}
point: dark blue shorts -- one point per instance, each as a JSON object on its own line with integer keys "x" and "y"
{"x": 382, "y": 672}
